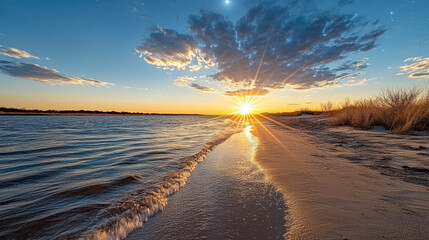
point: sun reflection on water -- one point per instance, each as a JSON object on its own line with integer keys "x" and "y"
{"x": 249, "y": 135}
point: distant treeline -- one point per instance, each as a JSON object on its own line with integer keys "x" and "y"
{"x": 17, "y": 111}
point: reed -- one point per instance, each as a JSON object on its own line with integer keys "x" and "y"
{"x": 396, "y": 110}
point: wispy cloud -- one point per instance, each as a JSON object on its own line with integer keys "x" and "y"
{"x": 418, "y": 67}
{"x": 187, "y": 81}
{"x": 356, "y": 82}
{"x": 138, "y": 88}
{"x": 184, "y": 80}
{"x": 38, "y": 73}
{"x": 270, "y": 47}
{"x": 248, "y": 92}
{"x": 15, "y": 53}
{"x": 201, "y": 88}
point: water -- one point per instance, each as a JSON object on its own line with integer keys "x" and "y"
{"x": 226, "y": 197}
{"x": 92, "y": 177}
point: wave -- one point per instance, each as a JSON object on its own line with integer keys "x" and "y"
{"x": 133, "y": 211}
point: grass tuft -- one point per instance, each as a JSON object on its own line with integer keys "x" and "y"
{"x": 396, "y": 110}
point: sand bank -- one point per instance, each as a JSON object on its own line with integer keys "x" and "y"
{"x": 329, "y": 197}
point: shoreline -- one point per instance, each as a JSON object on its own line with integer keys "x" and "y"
{"x": 68, "y": 112}
{"x": 97, "y": 114}
{"x": 331, "y": 198}
{"x": 226, "y": 197}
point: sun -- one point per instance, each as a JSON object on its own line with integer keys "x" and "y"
{"x": 245, "y": 108}
{"x": 245, "y": 105}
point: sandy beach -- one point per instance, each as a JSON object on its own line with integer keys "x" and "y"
{"x": 331, "y": 197}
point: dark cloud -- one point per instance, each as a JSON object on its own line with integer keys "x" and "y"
{"x": 247, "y": 92}
{"x": 201, "y": 88}
{"x": 168, "y": 49}
{"x": 43, "y": 74}
{"x": 188, "y": 81}
{"x": 420, "y": 75}
{"x": 217, "y": 37}
{"x": 270, "y": 47}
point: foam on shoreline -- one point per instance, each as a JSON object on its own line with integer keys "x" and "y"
{"x": 133, "y": 211}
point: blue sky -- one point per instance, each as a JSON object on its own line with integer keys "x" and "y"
{"x": 107, "y": 55}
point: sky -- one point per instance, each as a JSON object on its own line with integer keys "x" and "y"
{"x": 183, "y": 56}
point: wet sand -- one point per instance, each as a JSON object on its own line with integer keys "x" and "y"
{"x": 329, "y": 197}
{"x": 401, "y": 156}
{"x": 226, "y": 197}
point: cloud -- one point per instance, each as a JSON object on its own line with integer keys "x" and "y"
{"x": 139, "y": 88}
{"x": 168, "y": 49}
{"x": 201, "y": 88}
{"x": 43, "y": 74}
{"x": 15, "y": 53}
{"x": 187, "y": 81}
{"x": 413, "y": 59}
{"x": 356, "y": 82}
{"x": 184, "y": 80}
{"x": 247, "y": 92}
{"x": 418, "y": 68}
{"x": 270, "y": 47}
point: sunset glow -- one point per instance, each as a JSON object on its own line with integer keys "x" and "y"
{"x": 185, "y": 59}
{"x": 245, "y": 109}
{"x": 190, "y": 119}
{"x": 245, "y": 105}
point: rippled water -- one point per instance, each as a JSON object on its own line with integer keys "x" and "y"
{"x": 67, "y": 177}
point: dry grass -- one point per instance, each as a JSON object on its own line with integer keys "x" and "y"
{"x": 396, "y": 110}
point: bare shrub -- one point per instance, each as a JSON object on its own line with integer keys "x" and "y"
{"x": 326, "y": 107}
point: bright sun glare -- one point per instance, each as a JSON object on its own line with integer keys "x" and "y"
{"x": 245, "y": 108}
{"x": 245, "y": 105}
